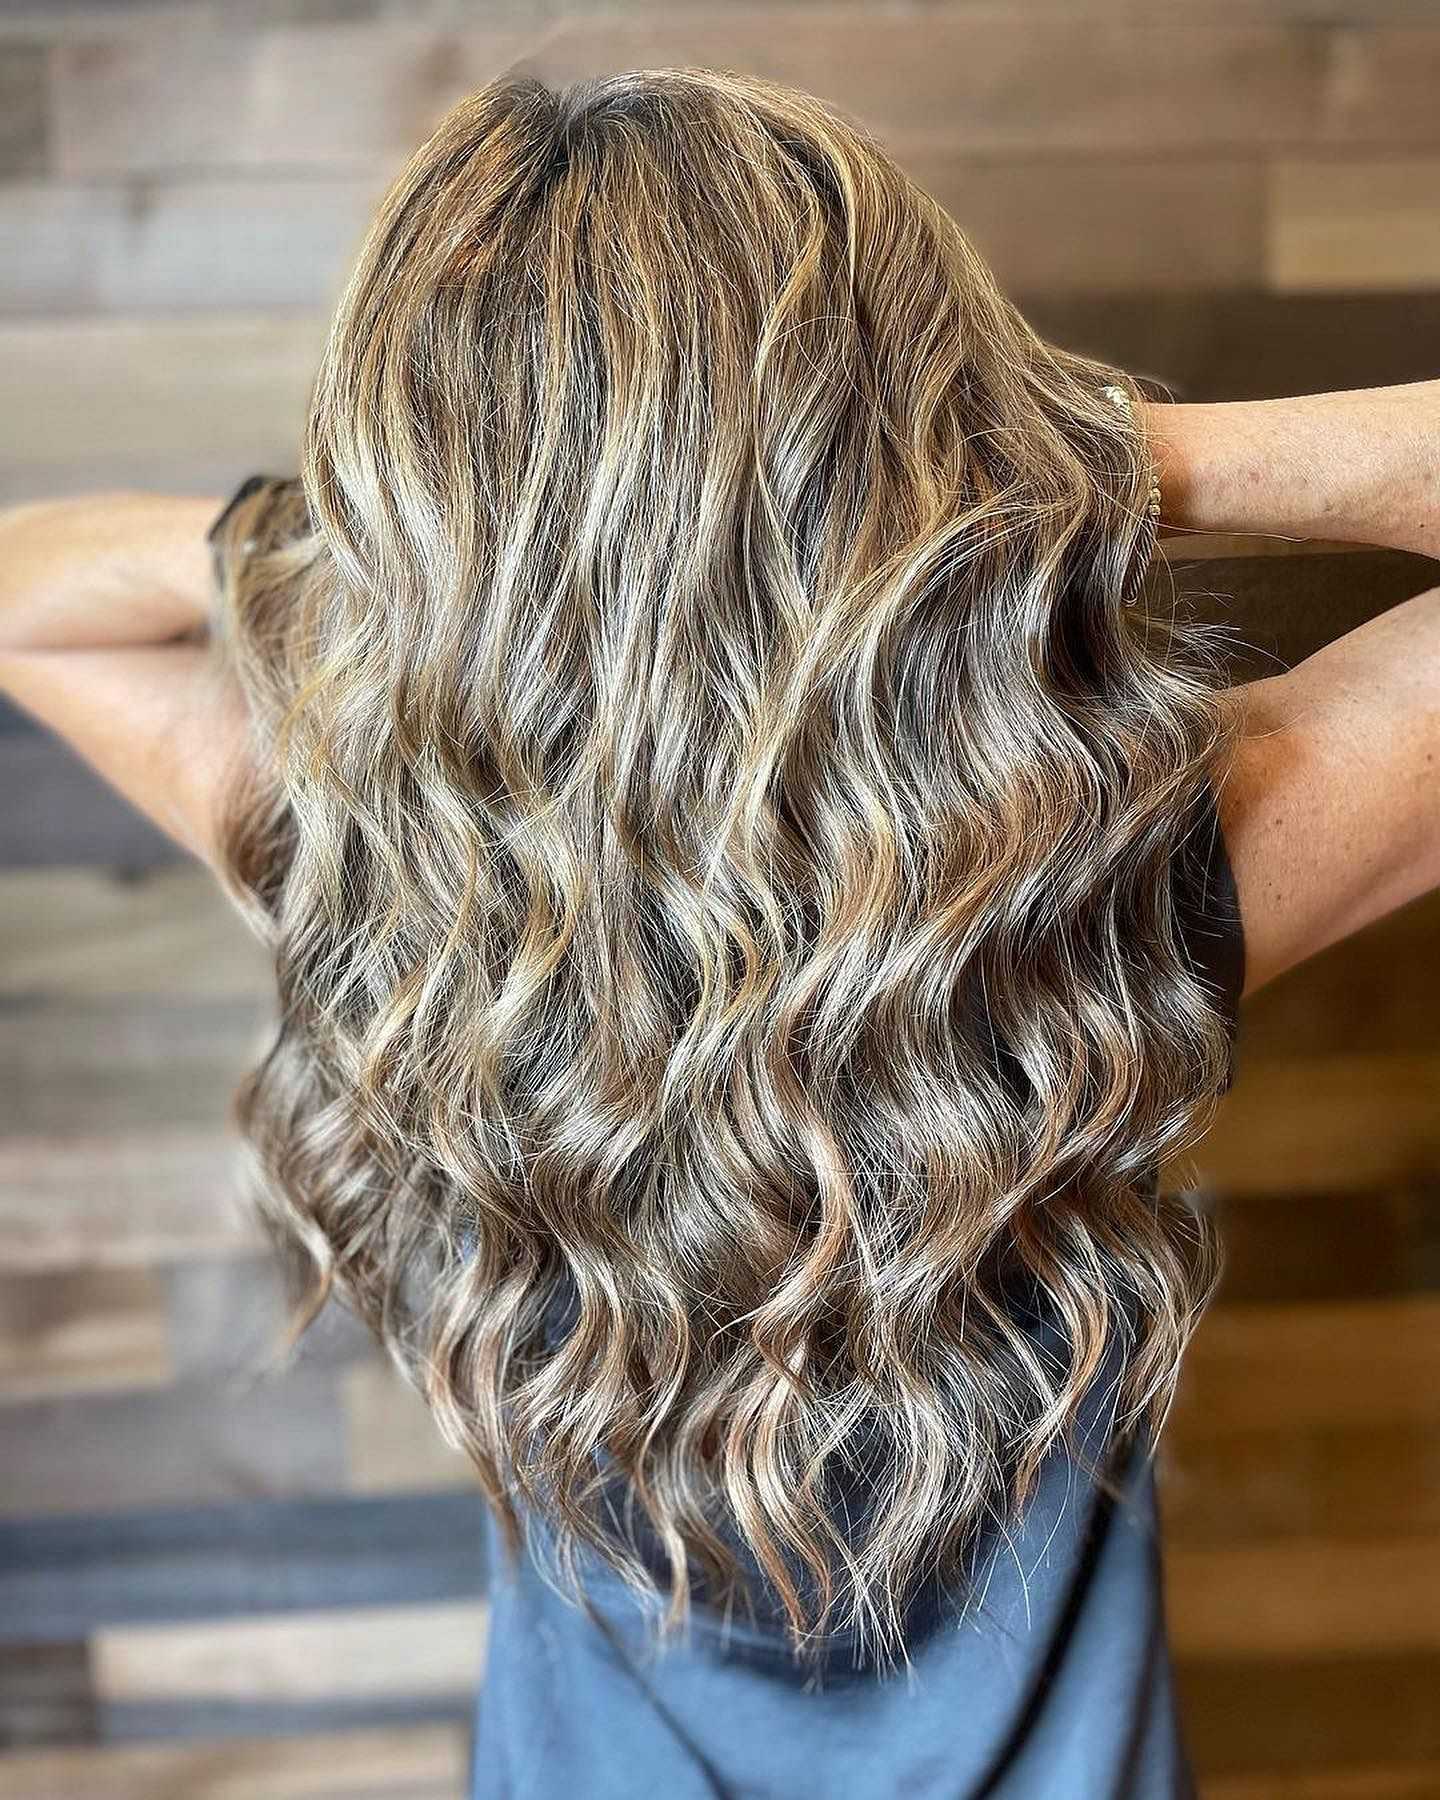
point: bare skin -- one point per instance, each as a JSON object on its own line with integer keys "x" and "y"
{"x": 1332, "y": 812}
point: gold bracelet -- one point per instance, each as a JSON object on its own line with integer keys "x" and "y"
{"x": 1113, "y": 392}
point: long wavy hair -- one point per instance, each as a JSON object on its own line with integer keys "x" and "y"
{"x": 713, "y": 814}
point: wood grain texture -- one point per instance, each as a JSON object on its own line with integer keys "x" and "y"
{"x": 1308, "y": 1367}
{"x": 425, "y": 1762}
{"x": 378, "y": 1653}
{"x": 1354, "y": 224}
{"x": 80, "y": 1330}
{"x": 189, "y": 97}
{"x": 394, "y": 1440}
{"x": 45, "y": 1696}
{"x": 1326, "y": 1596}
{"x": 66, "y": 1575}
{"x": 24, "y": 108}
{"x": 209, "y": 245}
{"x": 131, "y": 1198}
{"x": 985, "y": 79}
{"x": 90, "y": 935}
{"x": 1055, "y": 224}
{"x": 1326, "y": 1713}
{"x": 94, "y": 402}
{"x": 187, "y": 1444}
{"x": 1234, "y": 198}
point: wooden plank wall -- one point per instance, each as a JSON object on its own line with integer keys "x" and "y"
{"x": 218, "y": 1580}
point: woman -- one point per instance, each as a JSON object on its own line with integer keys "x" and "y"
{"x": 755, "y": 901}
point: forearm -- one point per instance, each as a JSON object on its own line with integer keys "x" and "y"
{"x": 104, "y": 570}
{"x": 1358, "y": 466}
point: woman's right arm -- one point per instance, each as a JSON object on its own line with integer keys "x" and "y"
{"x": 1331, "y": 812}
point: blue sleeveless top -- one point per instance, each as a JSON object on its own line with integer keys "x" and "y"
{"x": 1058, "y": 1683}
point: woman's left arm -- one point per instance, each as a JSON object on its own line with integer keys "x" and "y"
{"x": 103, "y": 571}
{"x": 103, "y": 608}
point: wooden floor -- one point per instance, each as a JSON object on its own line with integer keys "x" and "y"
{"x": 217, "y": 1579}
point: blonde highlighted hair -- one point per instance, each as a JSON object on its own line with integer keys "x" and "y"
{"x": 714, "y": 819}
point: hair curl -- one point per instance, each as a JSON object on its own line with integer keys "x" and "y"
{"x": 714, "y": 816}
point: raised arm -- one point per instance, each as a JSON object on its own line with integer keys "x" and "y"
{"x": 1332, "y": 811}
{"x": 104, "y": 570}
{"x": 102, "y": 602}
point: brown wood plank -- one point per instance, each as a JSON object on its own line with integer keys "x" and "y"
{"x": 1368, "y": 1782}
{"x": 1380, "y": 86}
{"x": 82, "y": 1330}
{"x": 24, "y": 109}
{"x": 1269, "y": 1485}
{"x": 1313, "y": 1367}
{"x": 986, "y": 78}
{"x": 1363, "y": 1782}
{"x": 1358, "y": 1246}
{"x": 420, "y": 1762}
{"x": 1051, "y": 224}
{"x": 1321, "y": 1596}
{"x": 1325, "y": 1124}
{"x": 1352, "y": 998}
{"x": 1248, "y": 345}
{"x": 45, "y": 1696}
{"x": 1314, "y": 1716}
{"x": 1293, "y": 1368}
{"x": 1354, "y": 224}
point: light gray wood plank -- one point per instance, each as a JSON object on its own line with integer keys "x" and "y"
{"x": 984, "y": 77}
{"x": 384, "y": 1652}
{"x": 124, "y": 1064}
{"x": 289, "y": 96}
{"x": 227, "y": 1314}
{"x": 191, "y": 1444}
{"x": 395, "y": 1442}
{"x": 218, "y": 244}
{"x": 191, "y": 404}
{"x": 85, "y": 934}
{"x": 131, "y": 1200}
